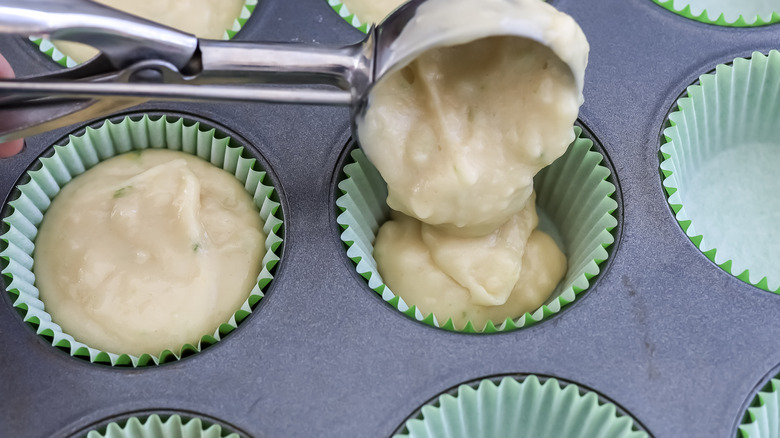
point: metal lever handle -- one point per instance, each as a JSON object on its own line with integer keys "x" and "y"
{"x": 181, "y": 67}
{"x": 31, "y": 106}
{"x": 123, "y": 38}
{"x": 347, "y": 67}
{"x": 174, "y": 92}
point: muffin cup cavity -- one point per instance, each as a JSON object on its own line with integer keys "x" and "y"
{"x": 746, "y": 13}
{"x": 527, "y": 407}
{"x": 48, "y": 48}
{"x": 719, "y": 157}
{"x": 156, "y": 426}
{"x": 26, "y": 210}
{"x": 575, "y": 205}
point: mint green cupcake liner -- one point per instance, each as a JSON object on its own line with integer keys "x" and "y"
{"x": 762, "y": 419}
{"x": 527, "y": 408}
{"x": 25, "y": 213}
{"x": 156, "y": 426}
{"x": 575, "y": 205}
{"x": 348, "y": 16}
{"x": 719, "y": 161}
{"x": 351, "y": 18}
{"x": 745, "y": 13}
{"x": 47, "y": 47}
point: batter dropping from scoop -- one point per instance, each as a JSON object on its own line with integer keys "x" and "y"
{"x": 458, "y": 135}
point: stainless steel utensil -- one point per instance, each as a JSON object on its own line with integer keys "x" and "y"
{"x": 142, "y": 60}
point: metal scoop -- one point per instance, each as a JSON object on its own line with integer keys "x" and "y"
{"x": 142, "y": 60}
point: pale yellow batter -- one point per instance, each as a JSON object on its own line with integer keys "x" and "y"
{"x": 372, "y": 11}
{"x": 495, "y": 277}
{"x": 203, "y": 18}
{"x": 148, "y": 251}
{"x": 458, "y": 135}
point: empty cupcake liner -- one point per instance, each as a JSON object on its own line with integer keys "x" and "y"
{"x": 719, "y": 159}
{"x": 25, "y": 213}
{"x": 47, "y": 47}
{"x": 156, "y": 426}
{"x": 745, "y": 13}
{"x": 762, "y": 419}
{"x": 573, "y": 193}
{"x": 527, "y": 408}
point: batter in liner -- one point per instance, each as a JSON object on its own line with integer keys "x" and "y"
{"x": 148, "y": 251}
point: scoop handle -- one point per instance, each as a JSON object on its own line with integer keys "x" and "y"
{"x": 123, "y": 38}
{"x": 346, "y": 67}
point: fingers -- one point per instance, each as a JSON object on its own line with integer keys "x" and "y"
{"x": 12, "y": 147}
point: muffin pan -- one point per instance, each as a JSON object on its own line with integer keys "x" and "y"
{"x": 663, "y": 333}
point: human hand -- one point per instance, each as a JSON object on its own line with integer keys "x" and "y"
{"x": 15, "y": 146}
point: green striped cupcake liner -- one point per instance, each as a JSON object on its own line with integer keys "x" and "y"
{"x": 47, "y": 47}
{"x": 343, "y": 11}
{"x": 575, "y": 202}
{"x": 156, "y": 426}
{"x": 521, "y": 408}
{"x": 28, "y": 206}
{"x": 719, "y": 159}
{"x": 348, "y": 16}
{"x": 744, "y": 13}
{"x": 762, "y": 419}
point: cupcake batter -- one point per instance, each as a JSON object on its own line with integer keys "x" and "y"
{"x": 203, "y": 18}
{"x": 372, "y": 11}
{"x": 458, "y": 135}
{"x": 148, "y": 251}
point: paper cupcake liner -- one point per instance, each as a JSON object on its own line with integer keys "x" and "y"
{"x": 25, "y": 213}
{"x": 573, "y": 192}
{"x": 348, "y": 16}
{"x": 745, "y": 13}
{"x": 723, "y": 132}
{"x": 47, "y": 47}
{"x": 526, "y": 408}
{"x": 762, "y": 419}
{"x": 156, "y": 426}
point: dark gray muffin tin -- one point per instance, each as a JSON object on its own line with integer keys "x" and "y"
{"x": 663, "y": 332}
